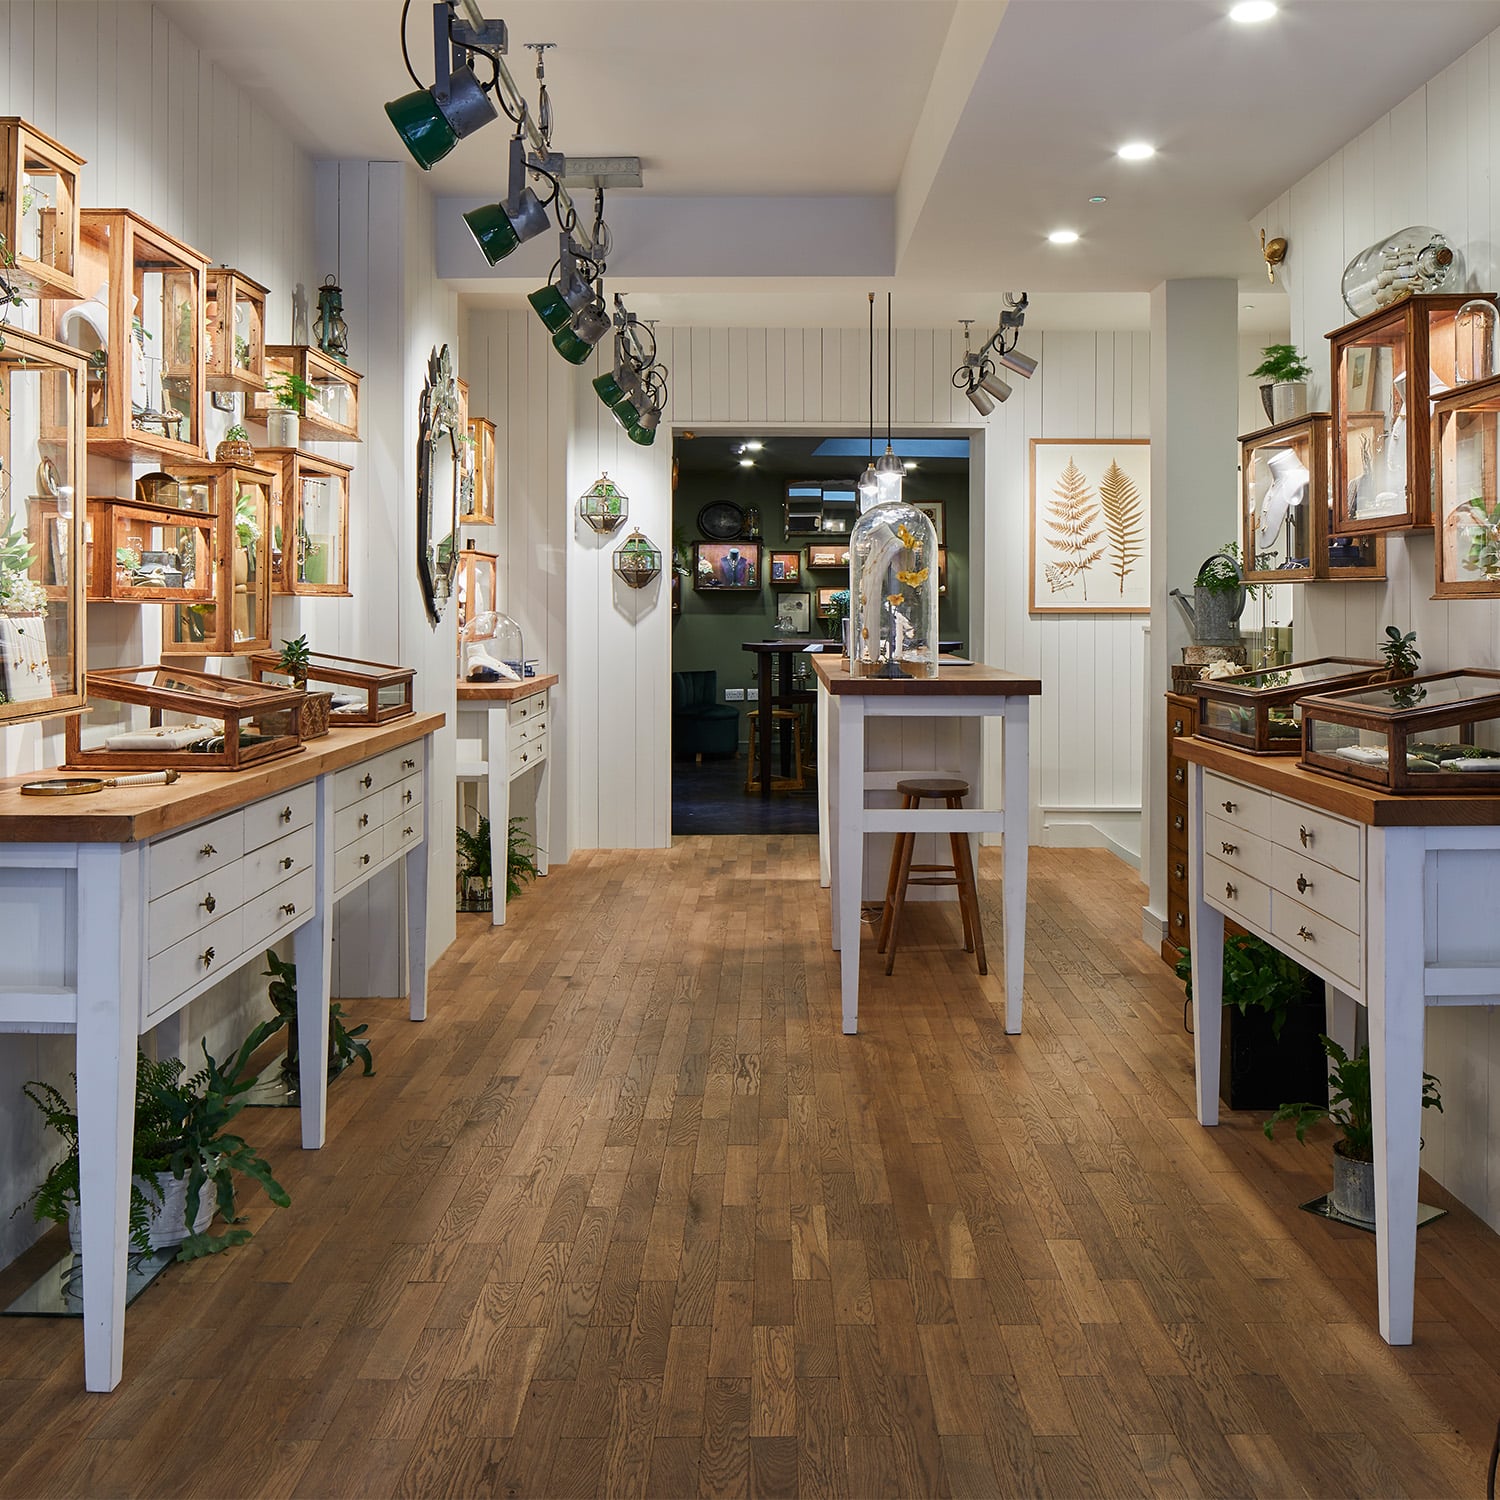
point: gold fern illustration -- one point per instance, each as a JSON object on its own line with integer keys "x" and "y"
{"x": 1073, "y": 525}
{"x": 1124, "y": 521}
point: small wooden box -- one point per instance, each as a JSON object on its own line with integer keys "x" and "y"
{"x": 39, "y": 209}
{"x": 365, "y": 692}
{"x": 1257, "y": 711}
{"x": 234, "y": 319}
{"x": 331, "y": 415}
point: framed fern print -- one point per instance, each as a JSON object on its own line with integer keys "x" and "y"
{"x": 1090, "y": 526}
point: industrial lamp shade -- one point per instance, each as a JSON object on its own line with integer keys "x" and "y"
{"x": 1019, "y": 364}
{"x": 431, "y": 127}
{"x": 603, "y": 506}
{"x": 576, "y": 341}
{"x": 556, "y": 302}
{"x": 889, "y": 473}
{"x": 643, "y": 429}
{"x": 869, "y": 487}
{"x": 498, "y": 228}
{"x": 995, "y": 386}
{"x": 980, "y": 399}
{"x": 637, "y": 560}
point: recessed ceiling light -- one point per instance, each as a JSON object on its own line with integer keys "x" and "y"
{"x": 747, "y": 463}
{"x": 1098, "y": 198}
{"x": 909, "y": 464}
{"x": 754, "y": 446}
{"x": 1249, "y": 12}
{"x": 1063, "y": 237}
{"x": 1136, "y": 151}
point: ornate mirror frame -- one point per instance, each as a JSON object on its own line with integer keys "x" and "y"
{"x": 439, "y": 453}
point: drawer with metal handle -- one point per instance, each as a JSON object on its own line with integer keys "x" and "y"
{"x": 1314, "y": 939}
{"x": 273, "y": 863}
{"x": 527, "y": 708}
{"x": 212, "y": 950}
{"x": 1234, "y": 892}
{"x": 1317, "y": 835}
{"x": 401, "y": 798}
{"x": 531, "y": 729}
{"x": 402, "y": 832}
{"x": 1338, "y": 897}
{"x": 193, "y": 907}
{"x": 181, "y": 857}
{"x": 353, "y": 822}
{"x": 1245, "y": 806}
{"x": 285, "y": 813}
{"x": 524, "y": 757}
{"x": 353, "y": 862}
{"x": 1245, "y": 851}
{"x": 282, "y": 906}
{"x": 369, "y": 776}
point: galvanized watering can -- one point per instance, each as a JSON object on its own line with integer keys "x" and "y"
{"x": 1213, "y": 615}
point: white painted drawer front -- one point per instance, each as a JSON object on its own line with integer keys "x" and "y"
{"x": 1247, "y": 852}
{"x": 372, "y": 775}
{"x": 527, "y": 756}
{"x": 1244, "y": 806}
{"x": 528, "y": 708}
{"x": 272, "y": 863}
{"x": 212, "y": 950}
{"x": 271, "y": 910}
{"x": 1337, "y": 897}
{"x": 1308, "y": 934}
{"x": 1236, "y": 893}
{"x": 193, "y": 907}
{"x": 531, "y": 729}
{"x": 274, "y": 816}
{"x": 403, "y": 831}
{"x": 401, "y": 798}
{"x": 1321, "y": 836}
{"x": 409, "y": 762}
{"x": 353, "y": 822}
{"x": 182, "y": 857}
{"x": 356, "y": 859}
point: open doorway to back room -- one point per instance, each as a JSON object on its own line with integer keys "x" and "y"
{"x": 760, "y": 530}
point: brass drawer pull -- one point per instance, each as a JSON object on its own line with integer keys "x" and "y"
{"x": 1305, "y": 834}
{"x": 1305, "y": 935}
{"x": 408, "y": 765}
{"x": 1230, "y": 848}
{"x": 1229, "y": 807}
{"x": 366, "y": 781}
{"x": 286, "y": 815}
{"x": 364, "y": 819}
{"x": 1179, "y": 871}
{"x": 1176, "y": 726}
{"x": 1177, "y": 823}
{"x": 208, "y": 851}
{"x": 207, "y": 957}
{"x": 1230, "y": 892}
{"x": 289, "y": 909}
{"x": 208, "y": 903}
{"x": 406, "y": 832}
{"x": 287, "y": 862}
{"x": 364, "y": 859}
{"x": 524, "y": 759}
{"x": 406, "y": 795}
{"x": 1180, "y": 920}
{"x": 1179, "y": 775}
{"x": 1304, "y": 884}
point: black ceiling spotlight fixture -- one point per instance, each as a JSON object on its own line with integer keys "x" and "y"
{"x": 977, "y": 377}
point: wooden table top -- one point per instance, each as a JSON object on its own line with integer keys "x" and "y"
{"x": 952, "y": 681}
{"x": 120, "y": 815}
{"x": 503, "y": 692}
{"x": 1282, "y": 775}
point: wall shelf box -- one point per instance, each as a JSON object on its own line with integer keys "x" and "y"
{"x": 331, "y": 415}
{"x": 309, "y": 522}
{"x": 39, "y": 209}
{"x": 42, "y": 579}
{"x": 364, "y": 692}
{"x": 482, "y": 454}
{"x": 155, "y": 718}
{"x": 1286, "y": 509}
{"x": 478, "y": 581}
{"x": 1257, "y": 711}
{"x": 238, "y": 497}
{"x": 1387, "y": 368}
{"x": 140, "y": 554}
{"x": 818, "y": 508}
{"x": 1466, "y": 435}
{"x": 234, "y": 320}
{"x": 139, "y": 322}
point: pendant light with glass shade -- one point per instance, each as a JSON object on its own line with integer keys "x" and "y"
{"x": 869, "y": 481}
{"x": 889, "y": 470}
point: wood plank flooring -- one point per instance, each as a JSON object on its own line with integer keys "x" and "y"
{"x": 629, "y": 1216}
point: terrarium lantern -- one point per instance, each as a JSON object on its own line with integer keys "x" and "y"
{"x": 603, "y": 505}
{"x": 637, "y": 560}
{"x": 893, "y": 593}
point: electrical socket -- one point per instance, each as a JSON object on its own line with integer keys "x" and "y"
{"x": 734, "y": 695}
{"x": 753, "y": 694}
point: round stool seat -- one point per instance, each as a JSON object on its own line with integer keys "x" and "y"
{"x": 933, "y": 786}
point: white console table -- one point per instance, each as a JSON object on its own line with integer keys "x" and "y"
{"x": 1388, "y": 899}
{"x": 503, "y": 735}
{"x": 122, "y": 906}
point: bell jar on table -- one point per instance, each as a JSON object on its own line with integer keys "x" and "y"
{"x": 490, "y": 649}
{"x": 893, "y": 593}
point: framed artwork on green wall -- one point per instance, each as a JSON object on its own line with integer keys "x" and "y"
{"x": 786, "y": 569}
{"x": 723, "y": 567}
{"x": 794, "y": 612}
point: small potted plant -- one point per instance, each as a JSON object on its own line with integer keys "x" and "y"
{"x": 1219, "y": 595}
{"x": 295, "y": 659}
{"x": 283, "y": 422}
{"x": 344, "y": 1042}
{"x": 235, "y": 447}
{"x": 475, "y": 890}
{"x": 1353, "y": 1195}
{"x": 1401, "y": 662}
{"x": 1285, "y": 375}
{"x": 520, "y": 859}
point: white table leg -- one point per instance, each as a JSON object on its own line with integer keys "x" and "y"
{"x": 1341, "y": 1017}
{"x": 1016, "y": 790}
{"x": 414, "y": 867}
{"x": 313, "y": 955}
{"x": 541, "y": 822}
{"x": 108, "y": 975}
{"x": 1394, "y": 997}
{"x": 497, "y": 749}
{"x": 1206, "y": 939}
{"x": 827, "y": 798}
{"x": 848, "y": 871}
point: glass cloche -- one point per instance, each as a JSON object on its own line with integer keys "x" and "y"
{"x": 893, "y": 593}
{"x": 489, "y": 649}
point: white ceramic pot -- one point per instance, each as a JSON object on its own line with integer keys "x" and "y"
{"x": 282, "y": 427}
{"x": 1288, "y": 400}
{"x": 167, "y": 1226}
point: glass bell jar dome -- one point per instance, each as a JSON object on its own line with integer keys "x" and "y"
{"x": 893, "y": 593}
{"x": 489, "y": 649}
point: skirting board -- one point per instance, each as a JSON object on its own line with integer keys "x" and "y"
{"x": 1112, "y": 828}
{"x": 1153, "y": 928}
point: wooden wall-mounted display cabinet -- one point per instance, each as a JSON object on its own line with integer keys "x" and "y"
{"x": 1466, "y": 435}
{"x": 41, "y": 528}
{"x": 1387, "y": 369}
{"x": 478, "y": 580}
{"x": 139, "y": 554}
{"x": 331, "y": 413}
{"x": 234, "y": 321}
{"x": 309, "y": 522}
{"x": 482, "y": 455}
{"x": 237, "y": 618}
{"x": 1286, "y": 509}
{"x": 39, "y": 209}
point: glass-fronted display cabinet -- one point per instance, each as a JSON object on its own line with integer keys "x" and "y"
{"x": 1421, "y": 734}
{"x": 331, "y": 413}
{"x": 309, "y": 522}
{"x": 39, "y": 209}
{"x": 236, "y": 618}
{"x": 478, "y": 580}
{"x": 41, "y": 528}
{"x": 1258, "y": 711}
{"x": 139, "y": 323}
{"x": 482, "y": 455}
{"x": 364, "y": 692}
{"x": 1387, "y": 369}
{"x": 1466, "y": 432}
{"x": 140, "y": 554}
{"x": 234, "y": 323}
{"x": 1286, "y": 509}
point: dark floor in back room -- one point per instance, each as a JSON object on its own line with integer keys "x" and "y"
{"x": 711, "y": 798}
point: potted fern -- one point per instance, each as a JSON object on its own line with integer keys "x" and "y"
{"x": 1284, "y": 374}
{"x": 283, "y": 422}
{"x": 475, "y": 888}
{"x": 345, "y": 1043}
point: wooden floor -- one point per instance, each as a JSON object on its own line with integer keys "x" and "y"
{"x": 629, "y": 1216}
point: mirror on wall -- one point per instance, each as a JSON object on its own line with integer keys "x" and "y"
{"x": 439, "y": 474}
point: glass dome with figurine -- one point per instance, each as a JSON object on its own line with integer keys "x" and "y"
{"x": 489, "y": 649}
{"x": 893, "y": 593}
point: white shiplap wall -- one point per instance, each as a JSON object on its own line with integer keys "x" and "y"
{"x": 1434, "y": 159}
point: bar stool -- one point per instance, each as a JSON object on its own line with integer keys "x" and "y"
{"x": 783, "y": 719}
{"x": 914, "y": 791}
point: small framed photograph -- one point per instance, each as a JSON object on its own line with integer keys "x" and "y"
{"x": 794, "y": 612}
{"x": 723, "y": 567}
{"x": 825, "y": 601}
{"x": 933, "y": 510}
{"x": 786, "y": 569}
{"x": 1360, "y": 367}
{"x": 827, "y": 557}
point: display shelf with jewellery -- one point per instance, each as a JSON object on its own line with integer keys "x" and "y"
{"x": 309, "y": 522}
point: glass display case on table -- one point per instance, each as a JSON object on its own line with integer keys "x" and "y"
{"x": 39, "y": 210}
{"x": 1286, "y": 509}
{"x": 331, "y": 413}
{"x": 139, "y": 323}
{"x": 482, "y": 451}
{"x": 1466, "y": 432}
{"x": 478, "y": 580}
{"x": 1421, "y": 734}
{"x": 893, "y": 595}
{"x": 1258, "y": 711}
{"x": 1387, "y": 369}
{"x": 42, "y": 579}
{"x": 155, "y": 718}
{"x": 490, "y": 649}
{"x": 139, "y": 554}
{"x": 309, "y": 522}
{"x": 234, "y": 321}
{"x": 364, "y": 692}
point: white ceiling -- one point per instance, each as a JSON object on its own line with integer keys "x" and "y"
{"x": 979, "y": 125}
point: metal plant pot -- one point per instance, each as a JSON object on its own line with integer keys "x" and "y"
{"x": 1353, "y": 1193}
{"x": 1288, "y": 400}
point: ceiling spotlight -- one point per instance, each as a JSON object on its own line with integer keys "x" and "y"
{"x": 498, "y": 228}
{"x": 567, "y": 294}
{"x": 977, "y": 377}
{"x": 575, "y": 340}
{"x": 747, "y": 463}
{"x": 1016, "y": 362}
{"x": 1136, "y": 151}
{"x": 432, "y": 121}
{"x": 636, "y": 390}
{"x": 1063, "y": 237}
{"x": 992, "y": 383}
{"x": 1249, "y": 12}
{"x": 909, "y": 465}
{"x": 753, "y": 446}
{"x": 1098, "y": 198}
{"x": 980, "y": 400}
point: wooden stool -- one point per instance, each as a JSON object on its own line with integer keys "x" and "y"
{"x": 914, "y": 790}
{"x": 780, "y": 717}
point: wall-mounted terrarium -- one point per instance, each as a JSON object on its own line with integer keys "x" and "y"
{"x": 1466, "y": 430}
{"x": 236, "y": 619}
{"x": 139, "y": 554}
{"x": 478, "y": 581}
{"x": 139, "y": 323}
{"x": 331, "y": 413}
{"x": 309, "y": 522}
{"x": 39, "y": 210}
{"x": 41, "y": 525}
{"x": 234, "y": 320}
{"x": 482, "y": 454}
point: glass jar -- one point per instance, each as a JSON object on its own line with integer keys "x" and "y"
{"x": 893, "y": 593}
{"x": 489, "y": 649}
{"x": 1474, "y": 341}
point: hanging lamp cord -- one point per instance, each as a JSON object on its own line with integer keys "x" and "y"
{"x": 888, "y": 369}
{"x": 872, "y": 377}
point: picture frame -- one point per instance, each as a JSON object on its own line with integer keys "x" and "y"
{"x": 786, "y": 569}
{"x": 825, "y": 599}
{"x": 726, "y": 567}
{"x": 1089, "y": 526}
{"x": 934, "y": 511}
{"x": 826, "y": 556}
{"x": 1362, "y": 365}
{"x": 796, "y": 609}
